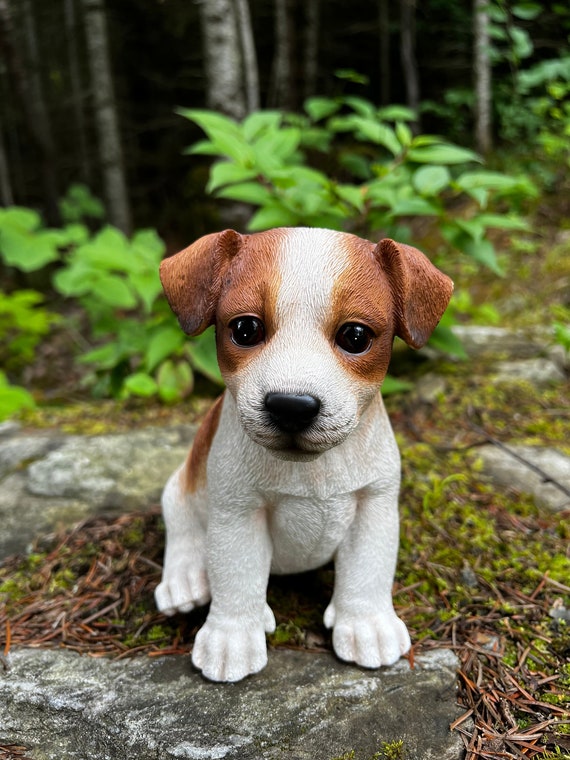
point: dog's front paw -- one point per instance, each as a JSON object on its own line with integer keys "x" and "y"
{"x": 183, "y": 587}
{"x": 368, "y": 640}
{"x": 231, "y": 649}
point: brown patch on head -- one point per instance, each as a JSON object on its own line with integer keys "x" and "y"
{"x": 362, "y": 294}
{"x": 194, "y": 472}
{"x": 249, "y": 286}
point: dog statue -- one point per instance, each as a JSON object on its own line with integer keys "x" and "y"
{"x": 296, "y": 464}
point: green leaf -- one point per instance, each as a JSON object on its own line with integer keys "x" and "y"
{"x": 201, "y": 148}
{"x": 413, "y": 207}
{"x": 13, "y": 398}
{"x": 114, "y": 291}
{"x": 147, "y": 286}
{"x": 247, "y": 192}
{"x": 360, "y": 106}
{"x": 23, "y": 218}
{"x": 272, "y": 215}
{"x": 259, "y": 122}
{"x": 378, "y": 133}
{"x": 487, "y": 180}
{"x": 503, "y": 222}
{"x": 392, "y": 385}
{"x": 353, "y": 195}
{"x": 226, "y": 173}
{"x": 442, "y": 153}
{"x": 141, "y": 384}
{"x": 174, "y": 381}
{"x": 25, "y": 250}
{"x": 483, "y": 251}
{"x": 404, "y": 134}
{"x": 104, "y": 357}
{"x": 166, "y": 341}
{"x": 210, "y": 121}
{"x": 319, "y": 108}
{"x": 444, "y": 339}
{"x": 202, "y": 352}
{"x": 396, "y": 113}
{"x": 431, "y": 180}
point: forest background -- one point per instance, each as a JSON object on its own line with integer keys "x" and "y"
{"x": 93, "y": 144}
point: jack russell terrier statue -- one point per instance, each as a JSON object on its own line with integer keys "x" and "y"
{"x": 296, "y": 464}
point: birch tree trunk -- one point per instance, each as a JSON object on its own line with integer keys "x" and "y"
{"x": 225, "y": 91}
{"x": 409, "y": 64}
{"x": 482, "y": 75}
{"x": 249, "y": 57}
{"x": 110, "y": 151}
{"x": 282, "y": 95}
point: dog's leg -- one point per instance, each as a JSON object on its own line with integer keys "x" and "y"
{"x": 231, "y": 644}
{"x": 184, "y": 579}
{"x": 365, "y": 627}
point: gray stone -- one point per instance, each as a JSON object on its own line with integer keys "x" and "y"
{"x": 511, "y": 472}
{"x": 430, "y": 387}
{"x": 111, "y": 470}
{"x": 539, "y": 371}
{"x": 481, "y": 340}
{"x": 17, "y": 451}
{"x": 48, "y": 482}
{"x": 302, "y": 706}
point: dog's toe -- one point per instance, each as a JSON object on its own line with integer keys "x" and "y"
{"x": 181, "y": 590}
{"x": 371, "y": 642}
{"x": 229, "y": 652}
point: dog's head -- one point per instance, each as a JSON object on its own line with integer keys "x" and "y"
{"x": 305, "y": 320}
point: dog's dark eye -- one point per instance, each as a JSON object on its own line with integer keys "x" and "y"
{"x": 247, "y": 331}
{"x": 354, "y": 338}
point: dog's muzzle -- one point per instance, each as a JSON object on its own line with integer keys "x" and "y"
{"x": 292, "y": 412}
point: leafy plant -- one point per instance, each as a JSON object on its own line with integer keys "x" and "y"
{"x": 23, "y": 323}
{"x": 13, "y": 398}
{"x": 140, "y": 350}
{"x": 79, "y": 203}
{"x": 380, "y": 173}
{"x": 379, "y": 176}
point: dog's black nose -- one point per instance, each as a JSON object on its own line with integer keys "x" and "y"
{"x": 292, "y": 412}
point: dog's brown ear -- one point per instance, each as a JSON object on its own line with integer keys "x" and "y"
{"x": 421, "y": 292}
{"x": 192, "y": 278}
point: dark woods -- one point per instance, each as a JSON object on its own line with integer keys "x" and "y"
{"x": 88, "y": 89}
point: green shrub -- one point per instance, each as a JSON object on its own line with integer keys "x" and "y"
{"x": 139, "y": 347}
{"x": 12, "y": 398}
{"x": 379, "y": 175}
{"x": 23, "y": 323}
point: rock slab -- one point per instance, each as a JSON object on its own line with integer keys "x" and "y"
{"x": 303, "y": 706}
{"x": 510, "y": 468}
{"x": 50, "y": 481}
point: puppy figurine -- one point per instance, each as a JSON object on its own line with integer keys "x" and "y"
{"x": 296, "y": 464}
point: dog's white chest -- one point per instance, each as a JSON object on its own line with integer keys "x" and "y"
{"x": 306, "y": 532}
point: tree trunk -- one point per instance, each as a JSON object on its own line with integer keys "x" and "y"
{"x": 20, "y": 82}
{"x": 77, "y": 90}
{"x": 249, "y": 57}
{"x": 482, "y": 75}
{"x": 225, "y": 91}
{"x": 409, "y": 64}
{"x": 282, "y": 91}
{"x": 384, "y": 34}
{"x": 110, "y": 151}
{"x": 6, "y": 194}
{"x": 311, "y": 57}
